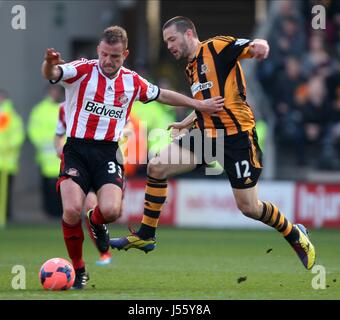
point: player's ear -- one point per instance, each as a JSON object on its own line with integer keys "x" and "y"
{"x": 126, "y": 53}
{"x": 189, "y": 32}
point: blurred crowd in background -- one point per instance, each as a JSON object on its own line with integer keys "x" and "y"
{"x": 302, "y": 80}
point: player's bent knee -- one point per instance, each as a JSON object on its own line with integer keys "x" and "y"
{"x": 156, "y": 170}
{"x": 72, "y": 211}
{"x": 111, "y": 214}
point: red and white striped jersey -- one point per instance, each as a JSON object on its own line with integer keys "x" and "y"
{"x": 61, "y": 126}
{"x": 97, "y": 107}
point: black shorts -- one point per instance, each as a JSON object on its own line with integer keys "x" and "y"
{"x": 239, "y": 154}
{"x": 91, "y": 164}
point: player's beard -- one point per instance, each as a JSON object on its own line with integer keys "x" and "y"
{"x": 184, "y": 52}
{"x": 110, "y": 74}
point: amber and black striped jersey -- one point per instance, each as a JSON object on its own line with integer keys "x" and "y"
{"x": 216, "y": 71}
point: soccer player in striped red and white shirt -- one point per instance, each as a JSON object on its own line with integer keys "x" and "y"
{"x": 91, "y": 198}
{"x": 99, "y": 97}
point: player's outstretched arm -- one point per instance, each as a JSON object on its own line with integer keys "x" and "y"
{"x": 176, "y": 99}
{"x": 49, "y": 67}
{"x": 186, "y": 123}
{"x": 259, "y": 49}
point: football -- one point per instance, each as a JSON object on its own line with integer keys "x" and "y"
{"x": 57, "y": 274}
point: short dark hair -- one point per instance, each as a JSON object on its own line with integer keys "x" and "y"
{"x": 115, "y": 34}
{"x": 182, "y": 24}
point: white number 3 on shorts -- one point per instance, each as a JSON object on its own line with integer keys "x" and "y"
{"x": 112, "y": 167}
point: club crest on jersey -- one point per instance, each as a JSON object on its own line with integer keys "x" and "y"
{"x": 104, "y": 110}
{"x": 123, "y": 99}
{"x": 196, "y": 87}
{"x": 204, "y": 69}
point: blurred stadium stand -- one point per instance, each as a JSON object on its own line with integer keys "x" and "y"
{"x": 301, "y": 74}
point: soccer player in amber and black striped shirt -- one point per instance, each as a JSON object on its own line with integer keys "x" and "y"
{"x": 214, "y": 69}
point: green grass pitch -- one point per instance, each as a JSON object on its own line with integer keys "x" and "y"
{"x": 187, "y": 264}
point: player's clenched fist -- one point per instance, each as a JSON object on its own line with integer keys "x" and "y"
{"x": 259, "y": 49}
{"x": 53, "y": 57}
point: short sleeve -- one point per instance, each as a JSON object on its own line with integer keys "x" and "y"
{"x": 245, "y": 53}
{"x": 231, "y": 49}
{"x": 148, "y": 91}
{"x": 72, "y": 71}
